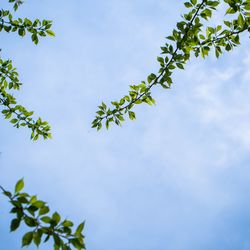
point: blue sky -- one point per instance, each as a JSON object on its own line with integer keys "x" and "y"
{"x": 177, "y": 178}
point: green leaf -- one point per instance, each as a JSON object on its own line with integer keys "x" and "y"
{"x": 43, "y": 210}
{"x": 37, "y": 238}
{"x": 27, "y": 238}
{"x": 13, "y": 121}
{"x": 38, "y": 204}
{"x": 247, "y": 6}
{"x": 107, "y": 124}
{"x": 160, "y": 60}
{"x": 168, "y": 80}
{"x": 15, "y": 223}
{"x": 30, "y": 222}
{"x": 79, "y": 229}
{"x": 76, "y": 243}
{"x": 21, "y": 32}
{"x": 67, "y": 223}
{"x": 19, "y": 186}
{"x": 56, "y": 247}
{"x": 8, "y": 194}
{"x": 131, "y": 115}
{"x": 34, "y": 38}
{"x": 57, "y": 240}
{"x": 188, "y": 5}
{"x": 46, "y": 219}
{"x": 151, "y": 77}
{"x": 228, "y": 47}
{"x": 230, "y": 11}
{"x": 120, "y": 117}
{"x": 180, "y": 65}
{"x": 241, "y": 20}
{"x": 50, "y": 32}
{"x": 56, "y": 217}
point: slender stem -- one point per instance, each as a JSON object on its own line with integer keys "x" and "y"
{"x": 223, "y": 37}
{"x": 2, "y": 189}
{"x": 42, "y": 27}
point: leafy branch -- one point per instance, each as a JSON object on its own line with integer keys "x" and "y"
{"x": 34, "y": 213}
{"x": 186, "y": 38}
{"x": 22, "y": 26}
{"x": 29, "y": 210}
{"x": 18, "y": 115}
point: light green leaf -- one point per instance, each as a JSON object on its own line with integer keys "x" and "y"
{"x": 27, "y": 238}
{"x": 19, "y": 186}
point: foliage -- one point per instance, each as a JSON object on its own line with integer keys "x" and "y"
{"x": 28, "y": 209}
{"x": 34, "y": 213}
{"x": 189, "y": 37}
{"x": 18, "y": 115}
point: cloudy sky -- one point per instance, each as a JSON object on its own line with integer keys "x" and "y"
{"x": 177, "y": 178}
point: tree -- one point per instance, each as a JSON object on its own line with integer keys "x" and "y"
{"x": 190, "y": 37}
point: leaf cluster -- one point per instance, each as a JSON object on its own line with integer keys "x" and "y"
{"x": 43, "y": 226}
{"x": 18, "y": 115}
{"x": 23, "y": 26}
{"x": 190, "y": 37}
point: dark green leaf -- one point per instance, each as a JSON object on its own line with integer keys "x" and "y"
{"x": 56, "y": 217}
{"x": 37, "y": 238}
{"x": 15, "y": 223}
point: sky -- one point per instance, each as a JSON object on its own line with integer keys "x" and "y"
{"x": 177, "y": 178}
